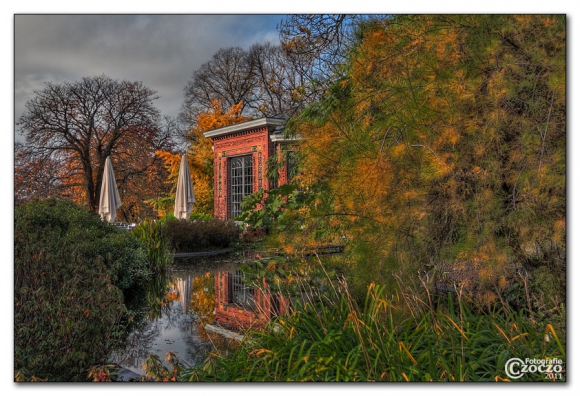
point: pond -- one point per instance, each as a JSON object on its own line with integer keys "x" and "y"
{"x": 231, "y": 293}
{"x": 171, "y": 314}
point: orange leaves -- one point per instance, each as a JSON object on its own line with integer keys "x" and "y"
{"x": 402, "y": 347}
{"x": 412, "y": 194}
{"x": 200, "y": 153}
{"x": 200, "y": 156}
{"x": 430, "y": 145}
{"x": 449, "y": 135}
{"x": 365, "y": 186}
{"x": 215, "y": 117}
{"x": 172, "y": 162}
{"x": 322, "y": 147}
{"x": 560, "y": 229}
{"x": 398, "y": 150}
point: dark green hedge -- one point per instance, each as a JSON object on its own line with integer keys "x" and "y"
{"x": 200, "y": 235}
{"x": 69, "y": 271}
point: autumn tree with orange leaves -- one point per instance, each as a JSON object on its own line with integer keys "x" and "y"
{"x": 71, "y": 128}
{"x": 199, "y": 157}
{"x": 442, "y": 148}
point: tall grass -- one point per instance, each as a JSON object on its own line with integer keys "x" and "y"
{"x": 152, "y": 234}
{"x": 332, "y": 338}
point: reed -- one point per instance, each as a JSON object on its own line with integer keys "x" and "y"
{"x": 332, "y": 338}
{"x": 152, "y": 234}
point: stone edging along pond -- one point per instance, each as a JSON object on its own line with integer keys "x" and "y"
{"x": 200, "y": 254}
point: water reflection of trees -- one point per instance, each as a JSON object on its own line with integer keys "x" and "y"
{"x": 181, "y": 299}
{"x": 202, "y": 300}
{"x": 296, "y": 279}
{"x": 161, "y": 293}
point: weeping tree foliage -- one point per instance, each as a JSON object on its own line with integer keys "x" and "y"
{"x": 443, "y": 148}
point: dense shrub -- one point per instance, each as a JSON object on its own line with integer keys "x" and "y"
{"x": 67, "y": 306}
{"x": 194, "y": 216}
{"x": 126, "y": 256}
{"x": 123, "y": 254}
{"x": 194, "y": 236}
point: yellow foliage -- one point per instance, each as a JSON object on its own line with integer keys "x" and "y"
{"x": 172, "y": 163}
{"x": 432, "y": 144}
{"x": 200, "y": 153}
{"x": 489, "y": 297}
{"x": 502, "y": 283}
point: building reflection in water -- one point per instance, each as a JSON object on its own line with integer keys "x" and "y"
{"x": 179, "y": 306}
{"x": 240, "y": 306}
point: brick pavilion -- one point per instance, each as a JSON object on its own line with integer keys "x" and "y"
{"x": 240, "y": 155}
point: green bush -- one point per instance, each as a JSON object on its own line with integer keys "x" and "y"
{"x": 127, "y": 257}
{"x": 124, "y": 255}
{"x": 275, "y": 208}
{"x": 67, "y": 306}
{"x": 195, "y": 236}
{"x": 193, "y": 216}
{"x": 200, "y": 216}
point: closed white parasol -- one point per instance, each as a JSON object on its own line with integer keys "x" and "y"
{"x": 110, "y": 199}
{"x": 184, "y": 196}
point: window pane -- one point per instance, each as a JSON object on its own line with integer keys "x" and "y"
{"x": 242, "y": 294}
{"x": 241, "y": 182}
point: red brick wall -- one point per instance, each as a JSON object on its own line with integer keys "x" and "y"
{"x": 255, "y": 142}
{"x": 282, "y": 177}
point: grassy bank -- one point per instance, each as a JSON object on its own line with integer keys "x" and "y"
{"x": 332, "y": 338}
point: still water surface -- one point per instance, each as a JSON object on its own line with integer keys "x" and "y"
{"x": 174, "y": 310}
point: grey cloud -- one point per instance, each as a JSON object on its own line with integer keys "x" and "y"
{"x": 162, "y": 51}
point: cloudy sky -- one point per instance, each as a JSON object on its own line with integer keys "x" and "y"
{"x": 162, "y": 51}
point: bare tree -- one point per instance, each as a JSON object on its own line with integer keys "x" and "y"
{"x": 275, "y": 80}
{"x": 317, "y": 44}
{"x": 280, "y": 89}
{"x": 263, "y": 79}
{"x": 78, "y": 124}
{"x": 227, "y": 77}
